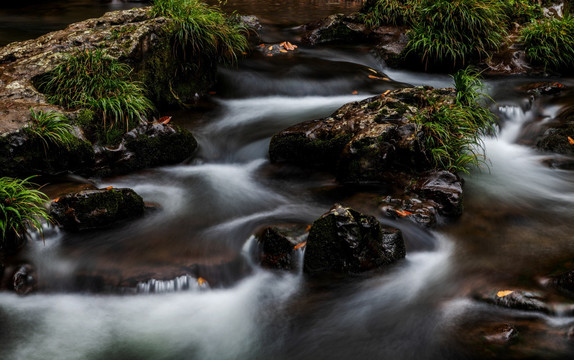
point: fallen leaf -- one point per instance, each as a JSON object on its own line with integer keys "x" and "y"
{"x": 109, "y": 188}
{"x": 386, "y": 93}
{"x": 570, "y": 140}
{"x": 373, "y": 70}
{"x": 283, "y": 43}
{"x": 270, "y": 48}
{"x": 355, "y": 92}
{"x": 164, "y": 119}
{"x": 244, "y": 53}
{"x": 261, "y": 45}
{"x": 504, "y": 293}
{"x": 308, "y": 228}
{"x": 269, "y": 54}
{"x": 56, "y": 199}
{"x": 283, "y": 50}
{"x": 201, "y": 281}
{"x": 300, "y": 245}
{"x": 403, "y": 213}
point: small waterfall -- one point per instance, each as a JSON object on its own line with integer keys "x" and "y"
{"x": 180, "y": 283}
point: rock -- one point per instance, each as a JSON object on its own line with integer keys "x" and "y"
{"x": 502, "y": 335}
{"x": 278, "y": 244}
{"x": 445, "y": 188}
{"x": 365, "y": 141}
{"x": 543, "y": 88}
{"x": 24, "y": 279}
{"x": 563, "y": 282}
{"x": 25, "y": 155}
{"x": 146, "y": 146}
{"x": 421, "y": 212}
{"x": 336, "y": 28}
{"x": 94, "y": 209}
{"x": 346, "y": 241}
{"x": 516, "y": 299}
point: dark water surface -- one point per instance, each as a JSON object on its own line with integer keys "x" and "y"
{"x": 516, "y": 228}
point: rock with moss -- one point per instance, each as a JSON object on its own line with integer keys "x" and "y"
{"x": 364, "y": 141}
{"x": 148, "y": 145}
{"x": 344, "y": 241}
{"x": 95, "y": 209}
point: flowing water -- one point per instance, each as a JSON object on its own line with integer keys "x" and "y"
{"x": 186, "y": 283}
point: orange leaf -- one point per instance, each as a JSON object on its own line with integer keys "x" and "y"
{"x": 109, "y": 188}
{"x": 201, "y": 281}
{"x": 283, "y": 50}
{"x": 504, "y": 293}
{"x": 570, "y": 140}
{"x": 300, "y": 245}
{"x": 403, "y": 213}
{"x": 261, "y": 45}
{"x": 269, "y": 54}
{"x": 308, "y": 228}
{"x": 386, "y": 93}
{"x": 283, "y": 44}
{"x": 164, "y": 119}
{"x": 56, "y": 199}
{"x": 355, "y": 92}
{"x": 270, "y": 48}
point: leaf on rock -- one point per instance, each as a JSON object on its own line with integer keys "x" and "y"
{"x": 570, "y": 140}
{"x": 201, "y": 281}
{"x": 403, "y": 213}
{"x": 504, "y": 293}
{"x": 300, "y": 245}
{"x": 164, "y": 119}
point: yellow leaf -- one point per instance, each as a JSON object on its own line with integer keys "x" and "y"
{"x": 570, "y": 140}
{"x": 270, "y": 48}
{"x": 504, "y": 293}
{"x": 283, "y": 50}
{"x": 403, "y": 213}
{"x": 386, "y": 93}
{"x": 300, "y": 245}
{"x": 201, "y": 281}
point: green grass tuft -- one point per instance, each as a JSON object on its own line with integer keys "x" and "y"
{"x": 453, "y": 32}
{"x": 51, "y": 128}
{"x": 393, "y": 12}
{"x": 550, "y": 42}
{"x": 21, "y": 209}
{"x": 92, "y": 80}
{"x": 453, "y": 131}
{"x": 202, "y": 31}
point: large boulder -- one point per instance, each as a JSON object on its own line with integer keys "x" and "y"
{"x": 346, "y": 241}
{"x": 95, "y": 209}
{"x": 365, "y": 141}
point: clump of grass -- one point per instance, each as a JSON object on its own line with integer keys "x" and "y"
{"x": 522, "y": 11}
{"x": 393, "y": 12}
{"x": 21, "y": 210}
{"x": 92, "y": 80}
{"x": 453, "y": 32}
{"x": 453, "y": 131}
{"x": 52, "y": 128}
{"x": 202, "y": 31}
{"x": 550, "y": 42}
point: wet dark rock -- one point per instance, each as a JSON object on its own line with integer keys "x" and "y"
{"x": 501, "y": 335}
{"x": 147, "y": 145}
{"x": 278, "y": 244}
{"x": 346, "y": 241}
{"x": 544, "y": 88}
{"x": 563, "y": 282}
{"x": 24, "y": 155}
{"x": 336, "y": 28}
{"x": 445, "y": 188}
{"x": 421, "y": 212}
{"x": 94, "y": 209}
{"x": 362, "y": 142}
{"x": 24, "y": 280}
{"x": 516, "y": 299}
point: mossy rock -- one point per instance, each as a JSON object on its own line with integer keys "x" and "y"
{"x": 95, "y": 209}
{"x": 345, "y": 241}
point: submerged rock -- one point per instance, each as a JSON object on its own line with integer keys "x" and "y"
{"x": 94, "y": 209}
{"x": 346, "y": 241}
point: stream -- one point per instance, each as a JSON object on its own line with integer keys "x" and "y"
{"x": 194, "y": 291}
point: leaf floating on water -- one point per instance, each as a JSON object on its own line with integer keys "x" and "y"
{"x": 300, "y": 245}
{"x": 164, "y": 119}
{"x": 403, "y": 213}
{"x": 201, "y": 281}
{"x": 504, "y": 293}
{"x": 570, "y": 140}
